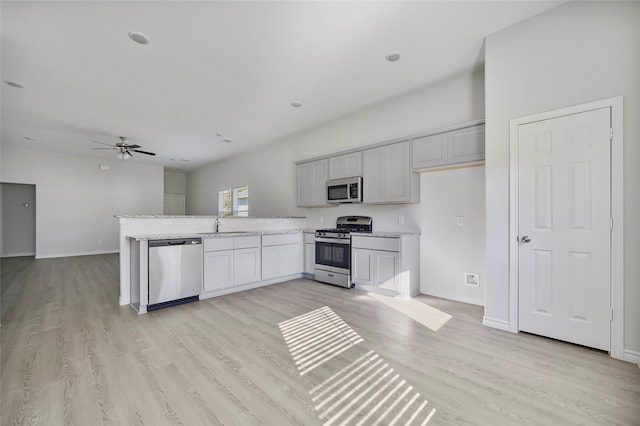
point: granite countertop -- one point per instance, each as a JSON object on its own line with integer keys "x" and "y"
{"x": 386, "y": 234}
{"x": 204, "y": 235}
{"x": 165, "y": 216}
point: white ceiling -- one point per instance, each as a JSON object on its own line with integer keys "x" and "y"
{"x": 227, "y": 67}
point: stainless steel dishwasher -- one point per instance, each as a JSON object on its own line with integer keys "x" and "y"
{"x": 175, "y": 272}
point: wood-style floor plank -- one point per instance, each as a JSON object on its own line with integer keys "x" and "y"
{"x": 72, "y": 356}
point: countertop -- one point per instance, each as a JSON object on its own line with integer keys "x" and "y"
{"x": 249, "y": 233}
{"x": 212, "y": 234}
{"x": 164, "y": 216}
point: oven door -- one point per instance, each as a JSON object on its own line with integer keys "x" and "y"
{"x": 333, "y": 254}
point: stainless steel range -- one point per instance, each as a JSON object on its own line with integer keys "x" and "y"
{"x": 333, "y": 249}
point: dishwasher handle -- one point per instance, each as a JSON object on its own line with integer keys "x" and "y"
{"x": 176, "y": 242}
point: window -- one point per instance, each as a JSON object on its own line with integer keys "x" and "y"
{"x": 234, "y": 202}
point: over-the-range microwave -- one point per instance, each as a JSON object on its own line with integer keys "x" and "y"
{"x": 346, "y": 190}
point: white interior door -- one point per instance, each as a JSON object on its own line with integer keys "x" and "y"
{"x": 564, "y": 228}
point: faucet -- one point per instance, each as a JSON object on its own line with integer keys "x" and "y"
{"x": 216, "y": 225}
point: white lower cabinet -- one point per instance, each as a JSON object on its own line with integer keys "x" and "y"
{"x": 218, "y": 270}
{"x": 247, "y": 265}
{"x": 230, "y": 262}
{"x": 375, "y": 268}
{"x": 388, "y": 265}
{"x": 309, "y": 253}
{"x": 281, "y": 255}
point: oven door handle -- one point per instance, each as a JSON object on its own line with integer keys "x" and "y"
{"x": 345, "y": 241}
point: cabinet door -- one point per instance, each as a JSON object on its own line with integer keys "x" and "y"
{"x": 312, "y": 181}
{"x": 362, "y": 266}
{"x": 309, "y": 258}
{"x": 347, "y": 165}
{"x": 386, "y": 265}
{"x": 291, "y": 259}
{"x": 398, "y": 172}
{"x": 466, "y": 145}
{"x": 387, "y": 174}
{"x": 218, "y": 270}
{"x": 374, "y": 161}
{"x": 271, "y": 262}
{"x": 430, "y": 151}
{"x": 246, "y": 265}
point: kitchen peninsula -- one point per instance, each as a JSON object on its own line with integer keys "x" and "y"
{"x": 163, "y": 226}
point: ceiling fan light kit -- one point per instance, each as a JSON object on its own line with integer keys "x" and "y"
{"x": 124, "y": 155}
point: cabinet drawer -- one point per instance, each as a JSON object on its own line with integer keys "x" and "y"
{"x": 376, "y": 243}
{"x": 280, "y": 239}
{"x": 309, "y": 238}
{"x": 219, "y": 243}
{"x": 246, "y": 242}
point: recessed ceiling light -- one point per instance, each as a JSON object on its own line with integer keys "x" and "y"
{"x": 226, "y": 140}
{"x": 138, "y": 37}
{"x": 296, "y": 104}
{"x": 393, "y": 56}
{"x": 14, "y": 84}
{"x": 219, "y": 135}
{"x": 28, "y": 138}
{"x": 184, "y": 160}
{"x": 172, "y": 159}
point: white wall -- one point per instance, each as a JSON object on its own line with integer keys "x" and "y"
{"x": 77, "y": 201}
{"x": 270, "y": 172}
{"x": 573, "y": 54}
{"x": 449, "y": 251}
{"x": 175, "y": 183}
{"x": 18, "y": 219}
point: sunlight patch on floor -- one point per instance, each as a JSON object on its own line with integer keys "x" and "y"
{"x": 426, "y": 315}
{"x": 316, "y": 337}
{"x": 364, "y": 391}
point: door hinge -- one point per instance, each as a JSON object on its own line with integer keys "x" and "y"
{"x": 610, "y": 133}
{"x": 610, "y": 224}
{"x": 611, "y": 315}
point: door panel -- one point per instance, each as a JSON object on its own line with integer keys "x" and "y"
{"x": 564, "y": 209}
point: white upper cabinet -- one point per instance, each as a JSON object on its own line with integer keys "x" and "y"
{"x": 312, "y": 181}
{"x": 347, "y": 165}
{"x": 387, "y": 175}
{"x": 466, "y": 145}
{"x": 457, "y": 147}
{"x": 430, "y": 151}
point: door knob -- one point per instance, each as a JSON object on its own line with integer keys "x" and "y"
{"x": 525, "y": 239}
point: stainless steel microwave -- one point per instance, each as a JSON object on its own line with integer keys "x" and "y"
{"x": 347, "y": 190}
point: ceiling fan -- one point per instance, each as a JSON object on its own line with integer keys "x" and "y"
{"x": 124, "y": 149}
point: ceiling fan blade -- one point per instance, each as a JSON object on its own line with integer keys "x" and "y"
{"x": 112, "y": 148}
{"x": 131, "y": 146}
{"x": 144, "y": 152}
{"x": 102, "y": 143}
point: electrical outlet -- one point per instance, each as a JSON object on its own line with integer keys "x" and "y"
{"x": 99, "y": 242}
{"x": 460, "y": 221}
{"x": 400, "y": 220}
{"x": 321, "y": 219}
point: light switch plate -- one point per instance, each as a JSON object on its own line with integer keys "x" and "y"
{"x": 460, "y": 221}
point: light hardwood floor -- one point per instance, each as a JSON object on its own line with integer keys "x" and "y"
{"x": 299, "y": 353}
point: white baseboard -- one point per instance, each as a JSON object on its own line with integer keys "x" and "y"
{"x": 84, "y": 253}
{"x": 631, "y": 356}
{"x": 18, "y": 254}
{"x": 496, "y": 323}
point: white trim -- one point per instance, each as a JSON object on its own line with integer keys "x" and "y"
{"x": 85, "y": 253}
{"x": 617, "y": 206}
{"x": 495, "y": 323}
{"x": 31, "y": 253}
{"x": 632, "y": 356}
